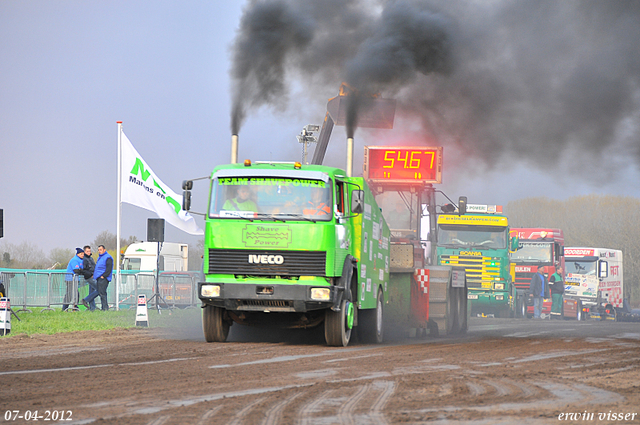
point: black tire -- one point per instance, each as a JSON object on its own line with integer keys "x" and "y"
{"x": 453, "y": 324}
{"x": 514, "y": 302}
{"x": 371, "y": 322}
{"x": 215, "y": 328}
{"x": 522, "y": 307}
{"x": 335, "y": 326}
{"x": 432, "y": 326}
{"x": 462, "y": 310}
{"x": 579, "y": 314}
{"x": 613, "y": 311}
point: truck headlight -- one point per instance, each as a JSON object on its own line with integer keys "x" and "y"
{"x": 499, "y": 286}
{"x": 499, "y": 297}
{"x": 320, "y": 294}
{"x": 210, "y": 291}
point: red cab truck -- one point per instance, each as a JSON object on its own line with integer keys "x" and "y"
{"x": 537, "y": 247}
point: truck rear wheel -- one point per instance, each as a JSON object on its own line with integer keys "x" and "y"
{"x": 370, "y": 322}
{"x": 216, "y": 329}
{"x": 336, "y": 327}
{"x": 611, "y": 312}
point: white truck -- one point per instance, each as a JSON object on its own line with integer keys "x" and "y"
{"x": 143, "y": 256}
{"x": 593, "y": 283}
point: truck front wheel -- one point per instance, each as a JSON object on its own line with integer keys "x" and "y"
{"x": 579, "y": 312}
{"x": 216, "y": 329}
{"x": 521, "y": 307}
{"x": 337, "y": 330}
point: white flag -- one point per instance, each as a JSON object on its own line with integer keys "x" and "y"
{"x": 142, "y": 188}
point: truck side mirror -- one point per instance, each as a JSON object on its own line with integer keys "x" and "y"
{"x": 603, "y": 269}
{"x": 187, "y": 184}
{"x": 514, "y": 243}
{"x": 462, "y": 205}
{"x": 357, "y": 201}
{"x": 186, "y": 200}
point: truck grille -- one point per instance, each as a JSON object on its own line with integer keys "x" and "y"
{"x": 480, "y": 271}
{"x": 523, "y": 279}
{"x": 259, "y": 305}
{"x": 255, "y": 262}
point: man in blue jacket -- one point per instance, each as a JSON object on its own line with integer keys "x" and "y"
{"x": 74, "y": 264}
{"x": 538, "y": 289}
{"x": 102, "y": 275}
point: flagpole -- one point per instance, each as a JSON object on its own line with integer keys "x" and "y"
{"x": 118, "y": 216}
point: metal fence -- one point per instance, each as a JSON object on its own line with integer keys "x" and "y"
{"x": 48, "y": 289}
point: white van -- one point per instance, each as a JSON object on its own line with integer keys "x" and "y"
{"x": 143, "y": 256}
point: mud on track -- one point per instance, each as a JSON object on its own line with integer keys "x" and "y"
{"x": 139, "y": 376}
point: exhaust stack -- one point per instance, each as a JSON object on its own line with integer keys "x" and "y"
{"x": 234, "y": 148}
{"x": 349, "y": 156}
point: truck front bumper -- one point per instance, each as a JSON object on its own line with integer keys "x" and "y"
{"x": 270, "y": 297}
{"x": 485, "y": 301}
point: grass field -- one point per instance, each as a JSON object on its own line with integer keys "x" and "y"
{"x": 52, "y": 322}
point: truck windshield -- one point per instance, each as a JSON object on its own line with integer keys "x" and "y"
{"x": 131, "y": 264}
{"x": 533, "y": 252}
{"x": 271, "y": 198}
{"x": 473, "y": 236}
{"x": 580, "y": 267}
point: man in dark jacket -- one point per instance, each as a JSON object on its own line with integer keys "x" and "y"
{"x": 538, "y": 289}
{"x": 102, "y": 275}
{"x": 88, "y": 267}
{"x": 557, "y": 289}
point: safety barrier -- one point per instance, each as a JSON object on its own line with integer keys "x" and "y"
{"x": 54, "y": 288}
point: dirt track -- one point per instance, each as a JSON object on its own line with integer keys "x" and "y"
{"x": 142, "y": 376}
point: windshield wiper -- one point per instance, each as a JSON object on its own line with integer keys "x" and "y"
{"x": 297, "y": 217}
{"x": 236, "y": 215}
{"x": 267, "y": 217}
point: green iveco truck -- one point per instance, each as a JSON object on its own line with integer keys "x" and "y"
{"x": 295, "y": 246}
{"x": 478, "y": 243}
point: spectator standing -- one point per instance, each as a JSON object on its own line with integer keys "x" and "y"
{"x": 88, "y": 268}
{"x": 557, "y": 289}
{"x": 74, "y": 267}
{"x": 102, "y": 275}
{"x": 538, "y": 289}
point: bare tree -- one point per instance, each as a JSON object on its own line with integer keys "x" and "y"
{"x": 108, "y": 239}
{"x": 24, "y": 256}
{"x": 59, "y": 257}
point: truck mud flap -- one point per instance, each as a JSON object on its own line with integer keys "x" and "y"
{"x": 344, "y": 283}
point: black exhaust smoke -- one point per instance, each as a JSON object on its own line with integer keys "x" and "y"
{"x": 497, "y": 80}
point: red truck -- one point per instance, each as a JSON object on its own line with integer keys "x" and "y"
{"x": 538, "y": 247}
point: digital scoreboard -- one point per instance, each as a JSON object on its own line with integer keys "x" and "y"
{"x": 402, "y": 164}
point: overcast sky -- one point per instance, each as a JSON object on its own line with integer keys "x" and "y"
{"x": 535, "y": 100}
